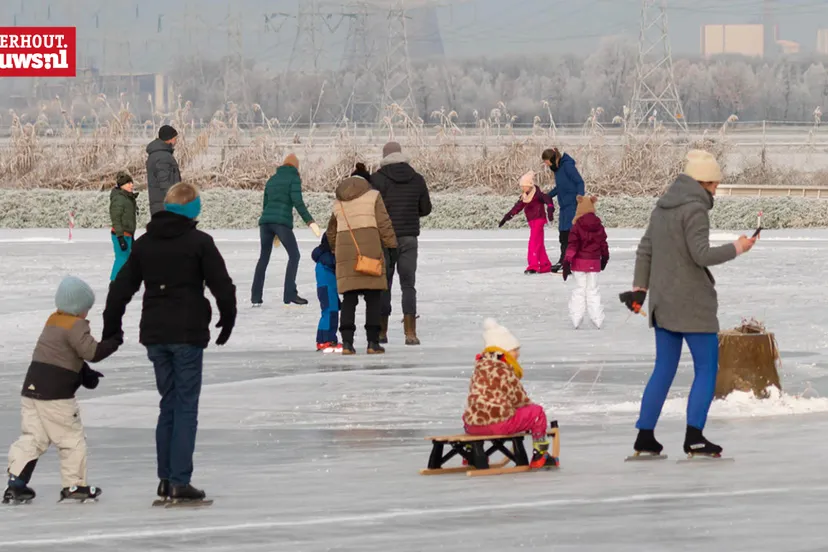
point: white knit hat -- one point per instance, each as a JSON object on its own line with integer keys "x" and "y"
{"x": 527, "y": 180}
{"x": 495, "y": 335}
{"x": 702, "y": 166}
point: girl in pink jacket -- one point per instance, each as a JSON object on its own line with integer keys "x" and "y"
{"x": 539, "y": 209}
{"x": 586, "y": 256}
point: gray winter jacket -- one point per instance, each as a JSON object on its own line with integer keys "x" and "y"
{"x": 672, "y": 260}
{"x": 162, "y": 173}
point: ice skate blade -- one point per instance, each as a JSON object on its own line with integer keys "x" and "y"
{"x": 645, "y": 457}
{"x": 160, "y": 502}
{"x": 184, "y": 503}
{"x": 17, "y": 502}
{"x": 704, "y": 459}
{"x": 77, "y": 501}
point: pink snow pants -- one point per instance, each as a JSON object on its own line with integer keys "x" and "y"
{"x": 527, "y": 418}
{"x": 537, "y": 258}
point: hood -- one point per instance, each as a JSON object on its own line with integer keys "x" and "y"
{"x": 566, "y": 160}
{"x": 158, "y": 145}
{"x": 590, "y": 222}
{"x": 166, "y": 225}
{"x": 352, "y": 188}
{"x": 120, "y": 191}
{"x": 287, "y": 169}
{"x": 396, "y": 168}
{"x": 683, "y": 191}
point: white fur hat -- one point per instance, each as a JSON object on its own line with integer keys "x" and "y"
{"x": 495, "y": 335}
{"x": 702, "y": 166}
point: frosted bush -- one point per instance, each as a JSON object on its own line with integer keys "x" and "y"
{"x": 225, "y": 208}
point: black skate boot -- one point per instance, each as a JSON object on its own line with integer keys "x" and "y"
{"x": 646, "y": 447}
{"x": 696, "y": 445}
{"x": 17, "y": 492}
{"x": 529, "y": 271}
{"x": 163, "y": 493}
{"x": 187, "y": 495}
{"x": 557, "y": 267}
{"x": 80, "y": 494}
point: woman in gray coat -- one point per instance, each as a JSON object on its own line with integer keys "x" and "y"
{"x": 672, "y": 265}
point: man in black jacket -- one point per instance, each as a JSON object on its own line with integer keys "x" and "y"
{"x": 406, "y": 198}
{"x": 162, "y": 168}
{"x": 174, "y": 261}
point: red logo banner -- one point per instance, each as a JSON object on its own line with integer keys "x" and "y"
{"x": 38, "y": 52}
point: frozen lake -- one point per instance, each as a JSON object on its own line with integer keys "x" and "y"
{"x": 307, "y": 452}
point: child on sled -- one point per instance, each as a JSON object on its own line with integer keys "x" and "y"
{"x": 497, "y": 403}
{"x": 537, "y": 205}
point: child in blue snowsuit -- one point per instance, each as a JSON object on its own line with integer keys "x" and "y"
{"x": 326, "y": 339}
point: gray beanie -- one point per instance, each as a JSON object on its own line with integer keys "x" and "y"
{"x": 74, "y": 296}
{"x": 391, "y": 147}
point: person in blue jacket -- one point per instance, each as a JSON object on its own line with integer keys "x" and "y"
{"x": 326, "y": 339}
{"x": 568, "y": 186}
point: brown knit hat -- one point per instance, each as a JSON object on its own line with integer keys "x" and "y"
{"x": 585, "y": 205}
{"x": 292, "y": 160}
{"x": 122, "y": 178}
{"x": 391, "y": 147}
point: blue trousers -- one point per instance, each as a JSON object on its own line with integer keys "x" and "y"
{"x": 120, "y": 256}
{"x": 178, "y": 378}
{"x": 704, "y": 347}
{"x": 329, "y": 303}
{"x": 266, "y": 234}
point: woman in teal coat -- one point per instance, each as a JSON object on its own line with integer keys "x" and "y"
{"x": 283, "y": 194}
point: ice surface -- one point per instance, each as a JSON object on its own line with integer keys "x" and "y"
{"x": 309, "y": 452}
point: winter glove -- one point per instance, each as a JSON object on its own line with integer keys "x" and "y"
{"x": 394, "y": 255}
{"x": 634, "y": 300}
{"x": 122, "y": 243}
{"x": 226, "y": 330}
{"x": 567, "y": 269}
{"x": 604, "y": 261}
{"x": 315, "y": 229}
{"x": 503, "y": 221}
{"x": 89, "y": 377}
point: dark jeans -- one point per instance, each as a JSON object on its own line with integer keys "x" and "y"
{"x": 406, "y": 266}
{"x": 178, "y": 378}
{"x": 266, "y": 233}
{"x": 373, "y": 303}
{"x": 564, "y": 239}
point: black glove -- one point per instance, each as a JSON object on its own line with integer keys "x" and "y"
{"x": 634, "y": 300}
{"x": 567, "y": 269}
{"x": 604, "y": 261}
{"x": 503, "y": 221}
{"x": 394, "y": 255}
{"x": 89, "y": 377}
{"x": 226, "y": 330}
{"x": 122, "y": 243}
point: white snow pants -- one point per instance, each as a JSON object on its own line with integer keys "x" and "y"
{"x": 47, "y": 422}
{"x": 586, "y": 298}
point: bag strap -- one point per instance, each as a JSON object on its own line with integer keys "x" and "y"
{"x": 348, "y": 224}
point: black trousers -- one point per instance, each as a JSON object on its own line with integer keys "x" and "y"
{"x": 406, "y": 267}
{"x": 564, "y": 239}
{"x": 347, "y": 314}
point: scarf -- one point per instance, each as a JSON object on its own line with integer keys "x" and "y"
{"x": 528, "y": 197}
{"x": 190, "y": 210}
{"x": 505, "y": 357}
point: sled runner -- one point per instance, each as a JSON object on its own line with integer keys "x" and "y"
{"x": 473, "y": 449}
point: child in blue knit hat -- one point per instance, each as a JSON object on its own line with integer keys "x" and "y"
{"x": 49, "y": 410}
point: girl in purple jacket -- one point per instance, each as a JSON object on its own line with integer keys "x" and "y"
{"x": 587, "y": 254}
{"x": 537, "y": 205}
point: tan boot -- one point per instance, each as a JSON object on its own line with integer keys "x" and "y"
{"x": 410, "y": 325}
{"x": 383, "y": 330}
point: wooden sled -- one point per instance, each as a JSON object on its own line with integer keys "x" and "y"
{"x": 472, "y": 448}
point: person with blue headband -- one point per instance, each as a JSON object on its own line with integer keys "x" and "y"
{"x": 174, "y": 261}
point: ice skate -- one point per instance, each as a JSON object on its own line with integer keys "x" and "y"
{"x": 187, "y": 495}
{"x": 18, "y": 492}
{"x": 163, "y": 493}
{"x": 297, "y": 301}
{"x": 530, "y": 271}
{"x": 695, "y": 445}
{"x": 256, "y": 305}
{"x": 646, "y": 447}
{"x": 329, "y": 348}
{"x": 82, "y": 494}
{"x": 557, "y": 267}
{"x": 375, "y": 349}
{"x": 541, "y": 459}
